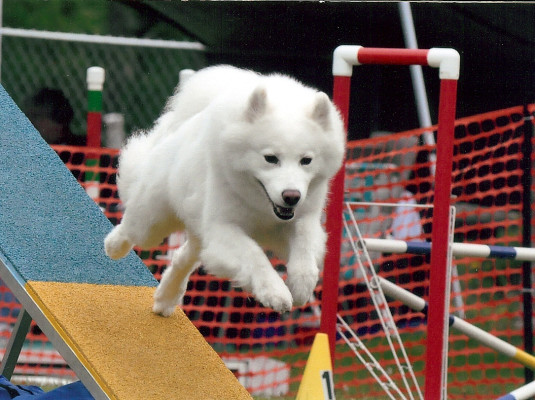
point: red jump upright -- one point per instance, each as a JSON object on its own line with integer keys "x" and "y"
{"x": 448, "y": 63}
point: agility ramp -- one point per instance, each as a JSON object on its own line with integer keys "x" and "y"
{"x": 95, "y": 311}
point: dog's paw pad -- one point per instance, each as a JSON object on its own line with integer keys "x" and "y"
{"x": 163, "y": 309}
{"x": 278, "y": 299}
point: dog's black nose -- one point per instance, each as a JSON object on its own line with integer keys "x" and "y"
{"x": 291, "y": 197}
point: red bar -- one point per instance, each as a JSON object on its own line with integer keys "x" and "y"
{"x": 331, "y": 272}
{"x": 438, "y": 309}
{"x": 374, "y": 55}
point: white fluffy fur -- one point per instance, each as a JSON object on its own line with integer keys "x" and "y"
{"x": 207, "y": 167}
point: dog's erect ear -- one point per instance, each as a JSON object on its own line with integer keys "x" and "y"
{"x": 257, "y": 104}
{"x": 321, "y": 111}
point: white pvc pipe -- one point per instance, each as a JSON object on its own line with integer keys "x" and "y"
{"x": 458, "y": 249}
{"x": 114, "y": 40}
{"x": 418, "y": 304}
{"x": 95, "y": 77}
{"x": 420, "y": 94}
{"x": 522, "y": 393}
{"x": 344, "y": 58}
{"x": 406, "y": 297}
{"x": 417, "y": 78}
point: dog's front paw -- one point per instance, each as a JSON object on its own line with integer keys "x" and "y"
{"x": 163, "y": 309}
{"x": 277, "y": 297}
{"x": 165, "y": 303}
{"x": 302, "y": 286}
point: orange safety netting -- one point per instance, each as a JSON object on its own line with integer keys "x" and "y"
{"x": 268, "y": 351}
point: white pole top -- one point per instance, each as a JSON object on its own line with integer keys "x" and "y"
{"x": 448, "y": 61}
{"x": 344, "y": 57}
{"x": 95, "y": 78}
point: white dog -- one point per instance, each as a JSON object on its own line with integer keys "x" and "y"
{"x": 241, "y": 162}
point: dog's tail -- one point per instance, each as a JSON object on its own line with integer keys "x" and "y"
{"x": 131, "y": 159}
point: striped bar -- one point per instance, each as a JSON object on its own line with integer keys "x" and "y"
{"x": 458, "y": 249}
{"x": 418, "y": 304}
{"x": 522, "y": 393}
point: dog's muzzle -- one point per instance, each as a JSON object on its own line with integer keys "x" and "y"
{"x": 282, "y": 212}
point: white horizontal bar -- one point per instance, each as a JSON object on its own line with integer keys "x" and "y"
{"x": 100, "y": 39}
{"x": 411, "y": 300}
{"x": 386, "y": 204}
{"x": 484, "y": 337}
{"x": 522, "y": 393}
{"x": 458, "y": 249}
{"x": 418, "y": 304}
{"x": 386, "y": 246}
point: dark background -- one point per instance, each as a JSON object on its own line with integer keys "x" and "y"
{"x": 496, "y": 42}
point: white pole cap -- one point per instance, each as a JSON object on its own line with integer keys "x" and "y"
{"x": 344, "y": 57}
{"x": 448, "y": 61}
{"x": 95, "y": 78}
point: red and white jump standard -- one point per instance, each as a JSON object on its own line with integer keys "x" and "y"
{"x": 448, "y": 62}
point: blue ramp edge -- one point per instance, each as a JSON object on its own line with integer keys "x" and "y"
{"x": 50, "y": 230}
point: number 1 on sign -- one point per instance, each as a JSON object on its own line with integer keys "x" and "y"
{"x": 328, "y": 384}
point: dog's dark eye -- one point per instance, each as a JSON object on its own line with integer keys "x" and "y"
{"x": 271, "y": 159}
{"x": 306, "y": 160}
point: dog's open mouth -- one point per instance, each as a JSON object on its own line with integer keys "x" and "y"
{"x": 284, "y": 213}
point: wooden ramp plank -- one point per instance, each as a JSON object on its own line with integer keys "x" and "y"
{"x": 138, "y": 355}
{"x": 95, "y": 311}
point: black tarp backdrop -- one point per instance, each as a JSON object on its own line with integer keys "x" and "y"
{"x": 496, "y": 42}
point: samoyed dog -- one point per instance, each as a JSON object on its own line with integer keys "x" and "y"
{"x": 241, "y": 162}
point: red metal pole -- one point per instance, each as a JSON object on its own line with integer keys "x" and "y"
{"x": 331, "y": 272}
{"x": 447, "y": 60}
{"x": 437, "y": 324}
{"x": 384, "y": 56}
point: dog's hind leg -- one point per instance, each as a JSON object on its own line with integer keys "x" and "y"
{"x": 174, "y": 280}
{"x": 138, "y": 229}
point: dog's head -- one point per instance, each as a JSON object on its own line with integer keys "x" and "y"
{"x": 285, "y": 145}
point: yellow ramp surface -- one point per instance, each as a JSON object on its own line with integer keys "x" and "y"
{"x": 110, "y": 327}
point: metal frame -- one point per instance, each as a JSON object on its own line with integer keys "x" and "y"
{"x": 16, "y": 284}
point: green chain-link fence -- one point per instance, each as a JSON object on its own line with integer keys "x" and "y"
{"x": 138, "y": 78}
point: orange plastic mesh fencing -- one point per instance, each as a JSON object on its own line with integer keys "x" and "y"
{"x": 268, "y": 351}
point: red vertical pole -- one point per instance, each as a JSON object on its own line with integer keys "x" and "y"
{"x": 437, "y": 324}
{"x": 331, "y": 273}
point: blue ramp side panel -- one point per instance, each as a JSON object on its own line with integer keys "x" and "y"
{"x": 50, "y": 230}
